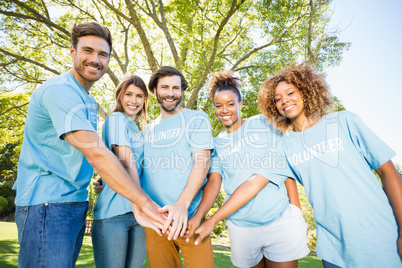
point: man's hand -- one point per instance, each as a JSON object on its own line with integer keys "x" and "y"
{"x": 204, "y": 230}
{"x": 145, "y": 221}
{"x": 193, "y": 223}
{"x": 98, "y": 185}
{"x": 151, "y": 210}
{"x": 177, "y": 220}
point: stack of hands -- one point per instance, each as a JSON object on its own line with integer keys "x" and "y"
{"x": 171, "y": 219}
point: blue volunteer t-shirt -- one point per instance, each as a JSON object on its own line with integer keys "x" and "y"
{"x": 49, "y": 169}
{"x": 240, "y": 154}
{"x": 333, "y": 160}
{"x": 119, "y": 130}
{"x": 169, "y": 145}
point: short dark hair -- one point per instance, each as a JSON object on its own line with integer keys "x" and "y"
{"x": 90, "y": 28}
{"x": 163, "y": 72}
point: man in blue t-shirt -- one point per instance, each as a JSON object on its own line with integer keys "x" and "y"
{"x": 59, "y": 149}
{"x": 177, "y": 148}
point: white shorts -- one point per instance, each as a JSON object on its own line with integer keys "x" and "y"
{"x": 281, "y": 241}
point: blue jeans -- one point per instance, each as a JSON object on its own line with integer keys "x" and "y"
{"x": 329, "y": 264}
{"x": 51, "y": 234}
{"x": 118, "y": 241}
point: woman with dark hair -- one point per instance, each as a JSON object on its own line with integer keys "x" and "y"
{"x": 265, "y": 222}
{"x": 332, "y": 155}
{"x": 118, "y": 239}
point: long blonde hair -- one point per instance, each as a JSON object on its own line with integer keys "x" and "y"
{"x": 127, "y": 80}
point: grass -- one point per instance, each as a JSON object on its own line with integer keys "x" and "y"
{"x": 9, "y": 251}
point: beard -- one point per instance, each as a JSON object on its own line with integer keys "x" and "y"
{"x": 87, "y": 75}
{"x": 169, "y": 107}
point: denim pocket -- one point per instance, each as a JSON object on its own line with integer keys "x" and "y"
{"x": 21, "y": 215}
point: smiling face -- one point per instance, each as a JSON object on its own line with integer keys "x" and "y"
{"x": 132, "y": 101}
{"x": 289, "y": 102}
{"x": 227, "y": 108}
{"x": 90, "y": 59}
{"x": 169, "y": 94}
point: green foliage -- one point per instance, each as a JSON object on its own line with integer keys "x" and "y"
{"x": 312, "y": 243}
{"x": 3, "y": 203}
{"x": 13, "y": 110}
{"x": 8, "y": 175}
{"x": 308, "y": 212}
{"x": 252, "y": 37}
{"x": 338, "y": 106}
{"x": 6, "y": 192}
{"x": 8, "y": 162}
{"x": 92, "y": 196}
{"x": 220, "y": 227}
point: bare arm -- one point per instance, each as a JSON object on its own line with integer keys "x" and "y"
{"x": 291, "y": 188}
{"x": 241, "y": 196}
{"x": 178, "y": 212}
{"x": 111, "y": 170}
{"x": 127, "y": 159}
{"x": 211, "y": 191}
{"x": 392, "y": 182}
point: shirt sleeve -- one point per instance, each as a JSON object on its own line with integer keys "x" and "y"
{"x": 200, "y": 133}
{"x": 215, "y": 165}
{"x": 277, "y": 169}
{"x": 368, "y": 144}
{"x": 115, "y": 130}
{"x": 66, "y": 109}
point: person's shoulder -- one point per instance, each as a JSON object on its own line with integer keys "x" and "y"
{"x": 55, "y": 89}
{"x": 258, "y": 119}
{"x": 191, "y": 113}
{"x": 113, "y": 117}
{"x": 151, "y": 124}
{"x": 116, "y": 115}
{"x": 57, "y": 86}
{"x": 62, "y": 80}
{"x": 342, "y": 116}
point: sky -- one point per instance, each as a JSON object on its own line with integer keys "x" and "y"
{"x": 368, "y": 80}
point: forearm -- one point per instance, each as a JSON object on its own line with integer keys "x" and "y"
{"x": 127, "y": 159}
{"x": 211, "y": 192}
{"x": 117, "y": 178}
{"x": 392, "y": 184}
{"x": 107, "y": 165}
{"x": 196, "y": 179}
{"x": 241, "y": 196}
{"x": 291, "y": 188}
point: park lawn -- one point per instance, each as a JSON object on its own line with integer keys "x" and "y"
{"x": 9, "y": 251}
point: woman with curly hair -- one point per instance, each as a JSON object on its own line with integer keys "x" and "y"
{"x": 265, "y": 228}
{"x": 332, "y": 155}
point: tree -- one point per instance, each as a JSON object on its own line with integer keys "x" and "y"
{"x": 13, "y": 108}
{"x": 252, "y": 37}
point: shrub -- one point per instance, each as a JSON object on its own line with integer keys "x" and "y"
{"x": 312, "y": 243}
{"x": 3, "y": 203}
{"x": 8, "y": 194}
{"x": 220, "y": 227}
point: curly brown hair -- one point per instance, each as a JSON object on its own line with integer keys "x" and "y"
{"x": 224, "y": 80}
{"x": 313, "y": 89}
